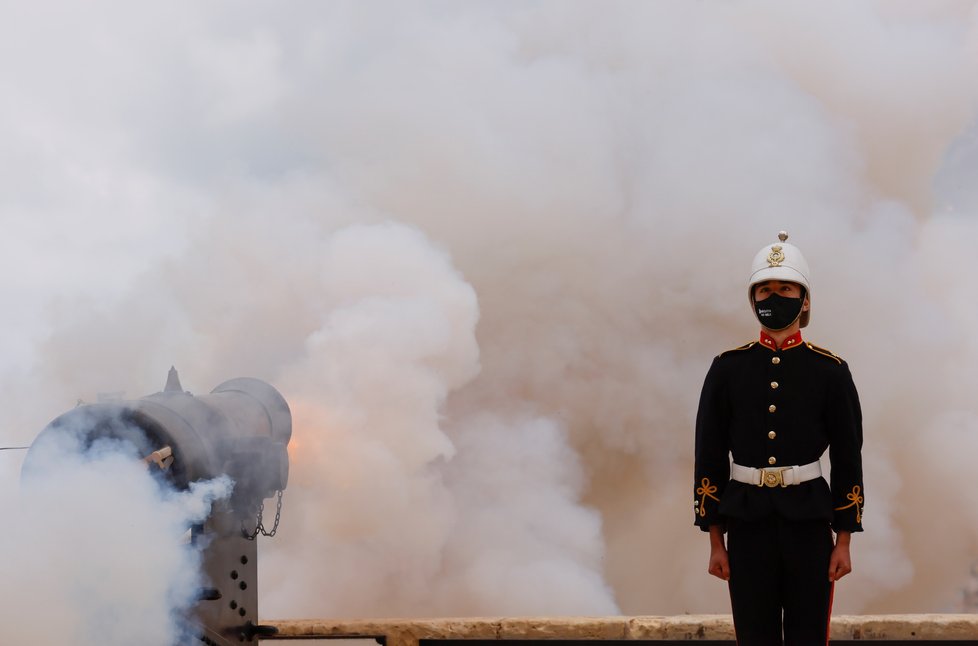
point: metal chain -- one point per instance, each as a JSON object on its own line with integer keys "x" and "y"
{"x": 278, "y": 516}
{"x": 260, "y": 527}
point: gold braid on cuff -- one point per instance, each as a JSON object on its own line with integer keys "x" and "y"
{"x": 705, "y": 490}
{"x": 857, "y": 500}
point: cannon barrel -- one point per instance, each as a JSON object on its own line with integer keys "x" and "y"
{"x": 241, "y": 429}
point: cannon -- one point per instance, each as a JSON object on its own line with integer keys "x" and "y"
{"x": 241, "y": 429}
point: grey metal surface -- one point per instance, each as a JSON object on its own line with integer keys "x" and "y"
{"x": 241, "y": 429}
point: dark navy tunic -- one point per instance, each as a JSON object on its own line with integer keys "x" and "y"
{"x": 772, "y": 408}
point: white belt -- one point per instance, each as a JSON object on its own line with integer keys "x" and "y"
{"x": 775, "y": 476}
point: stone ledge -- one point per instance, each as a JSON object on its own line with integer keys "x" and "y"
{"x": 407, "y": 632}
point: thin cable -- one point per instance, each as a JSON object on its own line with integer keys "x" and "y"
{"x": 14, "y": 448}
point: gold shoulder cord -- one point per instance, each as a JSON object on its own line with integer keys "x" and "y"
{"x": 746, "y": 346}
{"x": 824, "y": 352}
{"x": 704, "y": 491}
{"x": 857, "y": 499}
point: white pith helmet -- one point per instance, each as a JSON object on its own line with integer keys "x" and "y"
{"x": 781, "y": 261}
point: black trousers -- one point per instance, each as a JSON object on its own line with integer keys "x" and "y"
{"x": 779, "y": 581}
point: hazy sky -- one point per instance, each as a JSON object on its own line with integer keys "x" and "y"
{"x": 487, "y": 250}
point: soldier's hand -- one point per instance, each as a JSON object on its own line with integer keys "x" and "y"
{"x": 839, "y": 563}
{"x": 719, "y": 563}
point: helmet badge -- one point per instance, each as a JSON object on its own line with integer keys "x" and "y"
{"x": 776, "y": 257}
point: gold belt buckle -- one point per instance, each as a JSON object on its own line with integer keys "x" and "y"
{"x": 773, "y": 478}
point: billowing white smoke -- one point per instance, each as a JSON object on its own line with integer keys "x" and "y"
{"x": 95, "y": 548}
{"x": 396, "y": 513}
{"x": 487, "y": 250}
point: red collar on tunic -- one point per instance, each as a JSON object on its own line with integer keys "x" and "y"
{"x": 791, "y": 342}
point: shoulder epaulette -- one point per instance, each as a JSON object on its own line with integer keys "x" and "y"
{"x": 746, "y": 346}
{"x": 824, "y": 352}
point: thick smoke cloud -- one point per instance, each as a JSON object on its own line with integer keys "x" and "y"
{"x": 487, "y": 251}
{"x": 94, "y": 548}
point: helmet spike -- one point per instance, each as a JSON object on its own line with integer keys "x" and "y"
{"x": 783, "y": 236}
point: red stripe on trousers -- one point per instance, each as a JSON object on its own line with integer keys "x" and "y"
{"x": 828, "y": 621}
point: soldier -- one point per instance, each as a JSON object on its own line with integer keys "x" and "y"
{"x": 775, "y": 405}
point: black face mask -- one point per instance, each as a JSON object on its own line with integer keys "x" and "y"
{"x": 777, "y": 312}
